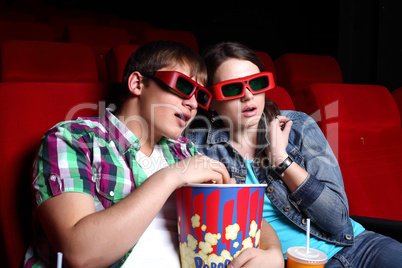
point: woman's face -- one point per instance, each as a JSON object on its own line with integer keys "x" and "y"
{"x": 244, "y": 112}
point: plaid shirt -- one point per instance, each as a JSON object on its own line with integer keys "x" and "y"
{"x": 95, "y": 156}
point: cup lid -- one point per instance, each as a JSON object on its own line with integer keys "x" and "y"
{"x": 299, "y": 254}
{"x": 211, "y": 185}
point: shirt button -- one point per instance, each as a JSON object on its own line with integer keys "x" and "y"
{"x": 348, "y": 237}
{"x": 53, "y": 178}
{"x": 286, "y": 209}
{"x": 135, "y": 144}
{"x": 111, "y": 193}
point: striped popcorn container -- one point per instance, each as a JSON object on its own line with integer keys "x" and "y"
{"x": 216, "y": 222}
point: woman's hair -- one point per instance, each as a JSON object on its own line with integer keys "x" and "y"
{"x": 217, "y": 54}
{"x": 156, "y": 55}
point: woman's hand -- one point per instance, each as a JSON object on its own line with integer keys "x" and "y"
{"x": 278, "y": 136}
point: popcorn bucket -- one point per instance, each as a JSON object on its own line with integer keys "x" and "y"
{"x": 216, "y": 222}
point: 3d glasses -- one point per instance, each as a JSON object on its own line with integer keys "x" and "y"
{"x": 236, "y": 88}
{"x": 182, "y": 85}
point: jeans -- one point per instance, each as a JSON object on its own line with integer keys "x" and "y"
{"x": 370, "y": 250}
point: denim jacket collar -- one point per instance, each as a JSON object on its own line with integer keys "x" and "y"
{"x": 218, "y": 133}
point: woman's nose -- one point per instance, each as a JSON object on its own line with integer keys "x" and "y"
{"x": 247, "y": 95}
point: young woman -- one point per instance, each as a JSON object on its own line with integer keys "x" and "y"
{"x": 285, "y": 149}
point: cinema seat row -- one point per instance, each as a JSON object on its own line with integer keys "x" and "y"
{"x": 44, "y": 81}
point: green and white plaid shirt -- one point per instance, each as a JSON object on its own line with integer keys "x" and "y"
{"x": 95, "y": 156}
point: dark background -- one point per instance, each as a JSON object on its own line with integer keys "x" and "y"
{"x": 365, "y": 36}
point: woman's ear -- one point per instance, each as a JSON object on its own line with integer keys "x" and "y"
{"x": 135, "y": 83}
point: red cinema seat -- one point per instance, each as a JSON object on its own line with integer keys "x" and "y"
{"x": 363, "y": 127}
{"x": 25, "y": 30}
{"x": 296, "y": 71}
{"x": 133, "y": 28}
{"x": 185, "y": 37}
{"x": 281, "y": 97}
{"x": 27, "y": 111}
{"x": 278, "y": 94}
{"x": 16, "y": 16}
{"x": 397, "y": 94}
{"x": 101, "y": 39}
{"x": 267, "y": 63}
{"x": 116, "y": 60}
{"x": 36, "y": 61}
{"x": 60, "y": 23}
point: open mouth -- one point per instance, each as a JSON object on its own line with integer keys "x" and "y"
{"x": 183, "y": 117}
{"x": 250, "y": 108}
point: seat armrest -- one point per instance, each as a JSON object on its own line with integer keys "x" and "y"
{"x": 391, "y": 228}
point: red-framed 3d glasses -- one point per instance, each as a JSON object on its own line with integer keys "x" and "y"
{"x": 183, "y": 86}
{"x": 236, "y": 88}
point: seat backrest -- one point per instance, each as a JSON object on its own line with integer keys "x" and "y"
{"x": 363, "y": 126}
{"x": 60, "y": 23}
{"x": 116, "y": 60}
{"x": 296, "y": 71}
{"x": 267, "y": 63}
{"x": 25, "y": 30}
{"x": 133, "y": 28}
{"x": 36, "y": 61}
{"x": 96, "y": 36}
{"x": 281, "y": 97}
{"x": 397, "y": 94}
{"x": 27, "y": 111}
{"x": 186, "y": 37}
{"x": 101, "y": 39}
{"x": 16, "y": 16}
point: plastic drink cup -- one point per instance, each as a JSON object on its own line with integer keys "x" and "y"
{"x": 216, "y": 222}
{"x": 299, "y": 258}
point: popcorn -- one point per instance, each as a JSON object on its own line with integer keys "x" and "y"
{"x": 247, "y": 243}
{"x": 253, "y": 229}
{"x": 195, "y": 221}
{"x": 231, "y": 231}
{"x": 257, "y": 239}
{"x": 212, "y": 239}
{"x": 191, "y": 242}
{"x": 212, "y": 224}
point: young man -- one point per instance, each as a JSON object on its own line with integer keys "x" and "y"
{"x": 103, "y": 186}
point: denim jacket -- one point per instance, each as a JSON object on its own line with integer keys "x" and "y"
{"x": 321, "y": 197}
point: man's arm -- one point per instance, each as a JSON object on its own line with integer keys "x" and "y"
{"x": 96, "y": 239}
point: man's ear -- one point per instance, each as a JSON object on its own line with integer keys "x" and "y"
{"x": 135, "y": 83}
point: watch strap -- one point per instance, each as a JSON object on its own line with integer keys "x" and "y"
{"x": 283, "y": 166}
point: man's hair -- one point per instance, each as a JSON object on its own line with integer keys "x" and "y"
{"x": 156, "y": 55}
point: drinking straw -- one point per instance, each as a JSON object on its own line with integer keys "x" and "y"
{"x": 308, "y": 237}
{"x": 59, "y": 259}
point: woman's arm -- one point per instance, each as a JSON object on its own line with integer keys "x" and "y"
{"x": 317, "y": 187}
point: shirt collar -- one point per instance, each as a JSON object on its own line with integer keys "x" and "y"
{"x": 122, "y": 136}
{"x": 218, "y": 133}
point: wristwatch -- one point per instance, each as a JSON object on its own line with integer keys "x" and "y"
{"x": 283, "y": 166}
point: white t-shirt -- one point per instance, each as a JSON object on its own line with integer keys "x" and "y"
{"x": 158, "y": 246}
